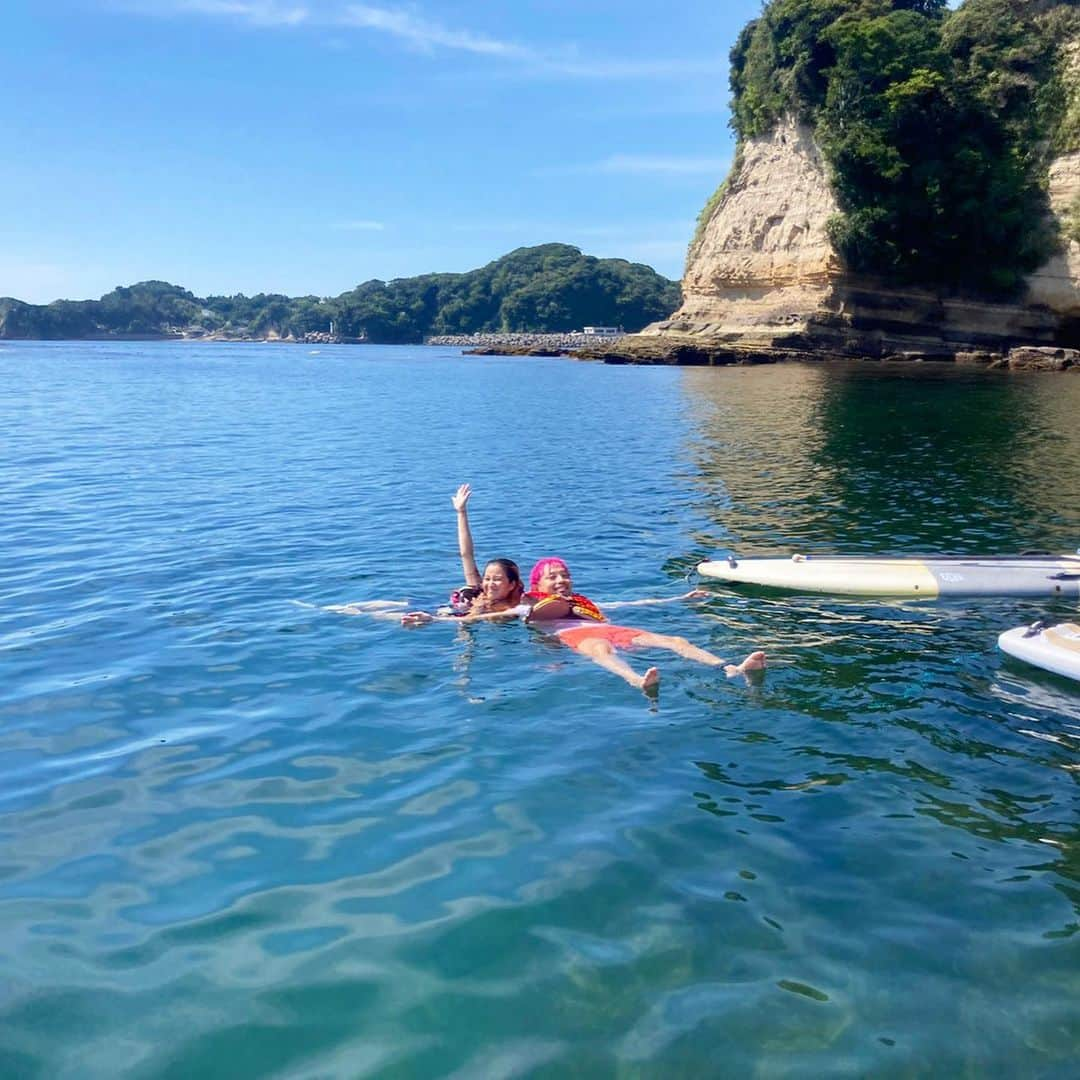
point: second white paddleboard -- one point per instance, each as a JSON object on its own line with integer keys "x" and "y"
{"x": 1053, "y": 648}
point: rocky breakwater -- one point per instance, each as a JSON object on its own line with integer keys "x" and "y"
{"x": 520, "y": 344}
{"x": 763, "y": 282}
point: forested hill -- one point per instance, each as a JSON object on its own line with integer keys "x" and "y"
{"x": 550, "y": 288}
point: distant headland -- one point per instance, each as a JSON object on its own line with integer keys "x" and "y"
{"x": 549, "y": 289}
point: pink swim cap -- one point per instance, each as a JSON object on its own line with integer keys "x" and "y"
{"x": 540, "y": 568}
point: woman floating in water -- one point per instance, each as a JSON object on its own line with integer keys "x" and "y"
{"x": 497, "y": 593}
{"x": 500, "y": 589}
{"x": 574, "y": 619}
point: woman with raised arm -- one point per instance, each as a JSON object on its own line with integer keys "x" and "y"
{"x": 495, "y": 594}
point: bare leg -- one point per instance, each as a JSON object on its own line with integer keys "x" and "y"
{"x": 378, "y": 609}
{"x": 369, "y": 605}
{"x": 679, "y": 645}
{"x": 603, "y": 653}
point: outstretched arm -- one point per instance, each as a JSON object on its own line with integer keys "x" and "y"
{"x": 693, "y": 594}
{"x": 422, "y": 618}
{"x": 460, "y": 500}
{"x": 494, "y": 616}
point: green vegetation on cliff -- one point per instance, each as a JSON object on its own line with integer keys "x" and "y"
{"x": 548, "y": 288}
{"x": 937, "y": 126}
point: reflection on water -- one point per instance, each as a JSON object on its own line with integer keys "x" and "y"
{"x": 880, "y": 459}
{"x": 871, "y": 458}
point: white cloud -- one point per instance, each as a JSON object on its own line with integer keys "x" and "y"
{"x": 413, "y": 29}
{"x": 426, "y": 34}
{"x": 420, "y": 33}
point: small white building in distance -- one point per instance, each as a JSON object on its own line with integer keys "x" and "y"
{"x": 602, "y": 331}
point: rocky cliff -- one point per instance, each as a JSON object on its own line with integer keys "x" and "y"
{"x": 763, "y": 280}
{"x": 761, "y": 273}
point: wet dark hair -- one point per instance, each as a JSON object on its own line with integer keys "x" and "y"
{"x": 464, "y": 596}
{"x": 513, "y": 575}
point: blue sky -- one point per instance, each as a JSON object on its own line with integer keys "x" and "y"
{"x": 304, "y": 146}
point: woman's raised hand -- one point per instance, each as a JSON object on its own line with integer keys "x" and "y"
{"x": 461, "y": 497}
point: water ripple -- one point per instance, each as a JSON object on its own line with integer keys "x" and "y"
{"x": 246, "y": 838}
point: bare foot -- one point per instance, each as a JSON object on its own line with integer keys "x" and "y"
{"x": 754, "y": 662}
{"x": 650, "y": 682}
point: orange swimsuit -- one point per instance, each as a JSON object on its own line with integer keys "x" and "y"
{"x": 621, "y": 637}
{"x": 595, "y": 625}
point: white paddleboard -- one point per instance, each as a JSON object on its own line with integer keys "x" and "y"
{"x": 1053, "y": 648}
{"x": 920, "y": 576}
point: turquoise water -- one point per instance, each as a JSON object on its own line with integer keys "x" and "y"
{"x": 240, "y": 837}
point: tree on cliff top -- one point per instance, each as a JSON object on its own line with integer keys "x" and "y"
{"x": 935, "y": 125}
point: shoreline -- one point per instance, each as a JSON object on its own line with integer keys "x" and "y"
{"x": 660, "y": 351}
{"x": 646, "y": 352}
{"x": 314, "y": 338}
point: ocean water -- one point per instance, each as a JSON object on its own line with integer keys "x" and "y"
{"x": 243, "y": 837}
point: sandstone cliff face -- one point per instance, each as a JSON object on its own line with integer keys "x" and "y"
{"x": 1056, "y": 284}
{"x": 763, "y": 277}
{"x": 762, "y": 264}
